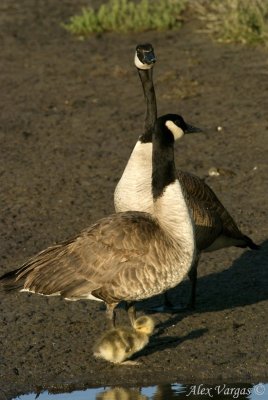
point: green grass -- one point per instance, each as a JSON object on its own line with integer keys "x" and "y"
{"x": 238, "y": 21}
{"x": 127, "y": 16}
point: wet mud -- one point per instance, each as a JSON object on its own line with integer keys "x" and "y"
{"x": 71, "y": 112}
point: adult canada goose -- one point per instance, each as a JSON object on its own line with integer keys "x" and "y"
{"x": 126, "y": 256}
{"x": 214, "y": 226}
{"x": 119, "y": 344}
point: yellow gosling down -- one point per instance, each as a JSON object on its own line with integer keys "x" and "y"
{"x": 119, "y": 344}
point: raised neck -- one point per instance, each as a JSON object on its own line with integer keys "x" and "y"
{"x": 146, "y": 77}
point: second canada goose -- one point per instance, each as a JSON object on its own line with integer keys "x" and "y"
{"x": 214, "y": 226}
{"x": 126, "y": 256}
{"x": 119, "y": 344}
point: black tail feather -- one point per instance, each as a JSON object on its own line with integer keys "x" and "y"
{"x": 8, "y": 281}
{"x": 249, "y": 243}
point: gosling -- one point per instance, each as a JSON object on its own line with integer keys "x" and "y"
{"x": 119, "y": 344}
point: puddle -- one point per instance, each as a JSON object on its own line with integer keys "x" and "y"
{"x": 161, "y": 392}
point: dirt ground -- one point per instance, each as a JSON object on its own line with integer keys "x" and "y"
{"x": 71, "y": 112}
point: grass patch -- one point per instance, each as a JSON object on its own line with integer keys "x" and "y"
{"x": 239, "y": 21}
{"x": 127, "y": 16}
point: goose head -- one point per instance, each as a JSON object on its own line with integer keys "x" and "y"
{"x": 144, "y": 56}
{"x": 144, "y": 325}
{"x": 173, "y": 127}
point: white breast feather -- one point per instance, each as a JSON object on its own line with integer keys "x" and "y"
{"x": 134, "y": 192}
{"x": 175, "y": 219}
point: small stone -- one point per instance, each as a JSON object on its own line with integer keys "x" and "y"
{"x": 213, "y": 171}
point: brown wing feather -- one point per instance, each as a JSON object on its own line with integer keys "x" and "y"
{"x": 115, "y": 258}
{"x": 210, "y": 216}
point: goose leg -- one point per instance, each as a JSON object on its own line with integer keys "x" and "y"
{"x": 167, "y": 303}
{"x": 192, "y": 274}
{"x": 168, "y": 306}
{"x": 110, "y": 312}
{"x": 131, "y": 312}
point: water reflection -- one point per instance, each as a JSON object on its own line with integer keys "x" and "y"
{"x": 162, "y": 392}
{"x": 121, "y": 394}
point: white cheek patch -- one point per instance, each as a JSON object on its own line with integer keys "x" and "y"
{"x": 140, "y": 65}
{"x": 176, "y": 130}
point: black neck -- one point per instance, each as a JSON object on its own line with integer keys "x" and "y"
{"x": 164, "y": 172}
{"x": 146, "y": 77}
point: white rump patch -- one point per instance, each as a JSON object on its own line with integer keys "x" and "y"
{"x": 140, "y": 65}
{"x": 91, "y": 297}
{"x": 42, "y": 294}
{"x": 88, "y": 297}
{"x": 174, "y": 129}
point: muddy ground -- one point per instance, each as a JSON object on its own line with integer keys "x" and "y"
{"x": 71, "y": 112}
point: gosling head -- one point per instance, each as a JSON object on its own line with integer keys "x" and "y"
{"x": 144, "y": 56}
{"x": 144, "y": 324}
{"x": 175, "y": 127}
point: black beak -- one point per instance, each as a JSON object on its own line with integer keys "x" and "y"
{"x": 191, "y": 129}
{"x": 148, "y": 58}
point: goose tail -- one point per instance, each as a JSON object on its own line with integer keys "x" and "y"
{"x": 10, "y": 282}
{"x": 17, "y": 278}
{"x": 249, "y": 243}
